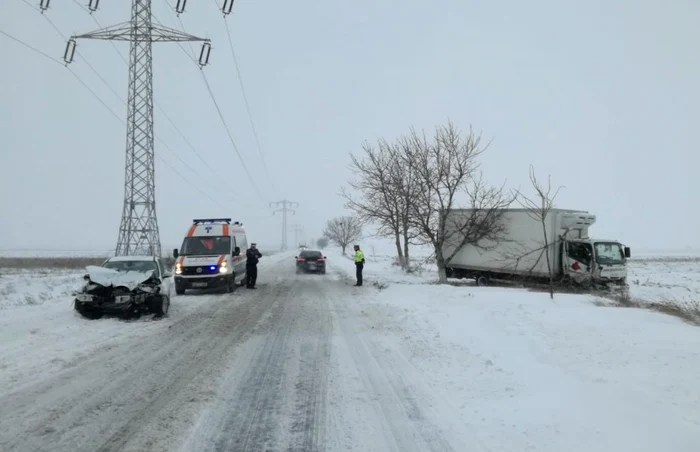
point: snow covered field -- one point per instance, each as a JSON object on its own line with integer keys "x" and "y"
{"x": 309, "y": 362}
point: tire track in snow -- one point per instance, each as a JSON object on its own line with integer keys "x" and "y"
{"x": 400, "y": 400}
{"x": 278, "y": 402}
{"x": 140, "y": 386}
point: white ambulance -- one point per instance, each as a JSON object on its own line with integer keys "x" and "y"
{"x": 212, "y": 255}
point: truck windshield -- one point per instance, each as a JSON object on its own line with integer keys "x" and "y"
{"x": 205, "y": 246}
{"x": 609, "y": 253}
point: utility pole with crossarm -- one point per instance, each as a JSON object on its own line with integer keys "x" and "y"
{"x": 286, "y": 207}
{"x": 138, "y": 231}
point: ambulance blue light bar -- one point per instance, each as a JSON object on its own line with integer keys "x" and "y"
{"x": 211, "y": 220}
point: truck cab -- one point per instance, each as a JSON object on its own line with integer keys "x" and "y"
{"x": 600, "y": 261}
{"x": 212, "y": 255}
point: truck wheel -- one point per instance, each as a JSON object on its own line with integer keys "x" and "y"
{"x": 482, "y": 280}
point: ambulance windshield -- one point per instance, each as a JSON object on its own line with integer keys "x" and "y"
{"x": 205, "y": 246}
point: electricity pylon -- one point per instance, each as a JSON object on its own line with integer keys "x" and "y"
{"x": 138, "y": 231}
{"x": 286, "y": 207}
{"x": 298, "y": 234}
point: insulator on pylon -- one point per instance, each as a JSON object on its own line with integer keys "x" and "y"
{"x": 44, "y": 5}
{"x": 204, "y": 54}
{"x": 180, "y": 7}
{"x": 227, "y": 7}
{"x": 93, "y": 5}
{"x": 70, "y": 51}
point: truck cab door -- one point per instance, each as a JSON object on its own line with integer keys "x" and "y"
{"x": 578, "y": 261}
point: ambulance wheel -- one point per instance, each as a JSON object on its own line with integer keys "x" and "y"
{"x": 231, "y": 284}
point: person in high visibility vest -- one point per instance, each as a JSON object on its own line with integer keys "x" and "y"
{"x": 359, "y": 264}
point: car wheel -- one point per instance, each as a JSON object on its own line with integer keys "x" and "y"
{"x": 88, "y": 313}
{"x": 158, "y": 305}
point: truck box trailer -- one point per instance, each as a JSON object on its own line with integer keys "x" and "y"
{"x": 522, "y": 253}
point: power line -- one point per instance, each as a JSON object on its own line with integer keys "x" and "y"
{"x": 155, "y": 102}
{"x": 245, "y": 101}
{"x": 287, "y": 206}
{"x": 165, "y": 144}
{"x": 31, "y": 47}
{"x": 226, "y": 127}
{"x": 107, "y": 107}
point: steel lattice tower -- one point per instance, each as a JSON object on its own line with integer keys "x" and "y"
{"x": 286, "y": 207}
{"x": 138, "y": 231}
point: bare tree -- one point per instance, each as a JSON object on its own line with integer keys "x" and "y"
{"x": 538, "y": 208}
{"x": 404, "y": 190}
{"x": 322, "y": 242}
{"x": 380, "y": 201}
{"x": 445, "y": 169}
{"x": 343, "y": 230}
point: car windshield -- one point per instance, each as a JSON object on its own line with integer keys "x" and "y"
{"x": 311, "y": 254}
{"x": 126, "y": 266}
{"x": 205, "y": 246}
{"x": 609, "y": 253}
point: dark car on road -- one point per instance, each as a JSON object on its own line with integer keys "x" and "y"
{"x": 311, "y": 261}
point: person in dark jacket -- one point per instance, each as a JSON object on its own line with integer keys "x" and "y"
{"x": 252, "y": 255}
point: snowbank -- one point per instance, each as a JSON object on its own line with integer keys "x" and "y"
{"x": 654, "y": 278}
{"x": 525, "y": 373}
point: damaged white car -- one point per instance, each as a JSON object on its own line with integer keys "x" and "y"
{"x": 126, "y": 285}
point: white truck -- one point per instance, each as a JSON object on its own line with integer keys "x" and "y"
{"x": 573, "y": 255}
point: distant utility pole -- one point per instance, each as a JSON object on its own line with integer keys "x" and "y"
{"x": 298, "y": 233}
{"x": 286, "y": 207}
{"x": 138, "y": 231}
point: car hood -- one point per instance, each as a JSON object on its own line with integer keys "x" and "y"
{"x": 192, "y": 261}
{"x": 109, "y": 277}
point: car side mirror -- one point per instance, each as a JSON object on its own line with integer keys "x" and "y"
{"x": 237, "y": 251}
{"x": 175, "y": 253}
{"x": 628, "y": 252}
{"x": 296, "y": 257}
{"x": 325, "y": 257}
{"x": 86, "y": 277}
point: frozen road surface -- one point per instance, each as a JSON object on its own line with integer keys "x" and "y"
{"x": 310, "y": 363}
{"x": 282, "y": 368}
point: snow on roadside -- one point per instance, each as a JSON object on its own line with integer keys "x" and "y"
{"x": 674, "y": 279}
{"x": 652, "y": 278}
{"x": 41, "y": 333}
{"x": 531, "y": 374}
{"x": 37, "y": 287}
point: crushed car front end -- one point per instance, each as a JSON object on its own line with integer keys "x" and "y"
{"x": 130, "y": 296}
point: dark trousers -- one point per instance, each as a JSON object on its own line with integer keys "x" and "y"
{"x": 358, "y": 272}
{"x": 251, "y": 273}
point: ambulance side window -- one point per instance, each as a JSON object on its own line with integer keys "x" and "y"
{"x": 234, "y": 245}
{"x": 243, "y": 243}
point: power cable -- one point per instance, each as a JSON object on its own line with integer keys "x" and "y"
{"x": 104, "y": 104}
{"x": 124, "y": 102}
{"x": 247, "y": 104}
{"x": 223, "y": 121}
{"x": 155, "y": 102}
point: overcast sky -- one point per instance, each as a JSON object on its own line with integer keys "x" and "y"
{"x": 602, "y": 94}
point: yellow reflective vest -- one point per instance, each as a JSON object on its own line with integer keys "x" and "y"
{"x": 359, "y": 256}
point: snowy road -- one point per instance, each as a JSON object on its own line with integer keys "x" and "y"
{"x": 280, "y": 368}
{"x": 310, "y": 363}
